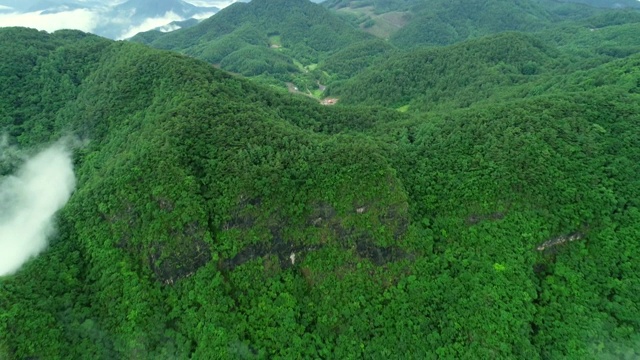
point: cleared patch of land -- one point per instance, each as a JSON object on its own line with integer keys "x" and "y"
{"x": 380, "y": 25}
{"x": 275, "y": 41}
{"x": 404, "y": 108}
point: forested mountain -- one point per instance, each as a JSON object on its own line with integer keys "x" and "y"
{"x": 615, "y": 4}
{"x": 297, "y": 42}
{"x": 494, "y": 68}
{"x": 496, "y": 215}
{"x": 263, "y": 37}
{"x": 218, "y": 218}
{"x": 144, "y": 9}
{"x": 408, "y": 23}
{"x": 454, "y": 76}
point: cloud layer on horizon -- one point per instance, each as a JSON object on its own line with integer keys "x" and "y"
{"x": 217, "y": 3}
{"x": 79, "y": 19}
{"x": 148, "y": 24}
{"x": 99, "y": 21}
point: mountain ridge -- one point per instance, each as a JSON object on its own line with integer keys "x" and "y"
{"x": 484, "y": 205}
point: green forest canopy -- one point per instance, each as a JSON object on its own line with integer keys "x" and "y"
{"x": 307, "y": 44}
{"x": 263, "y": 37}
{"x": 413, "y": 235}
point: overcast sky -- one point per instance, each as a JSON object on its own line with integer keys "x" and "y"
{"x": 89, "y": 20}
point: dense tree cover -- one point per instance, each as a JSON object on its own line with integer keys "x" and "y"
{"x": 186, "y": 166}
{"x": 446, "y": 22}
{"x": 296, "y": 41}
{"x": 31, "y": 108}
{"x": 552, "y": 133}
{"x": 286, "y": 30}
{"x": 217, "y": 218}
{"x": 461, "y": 74}
{"x": 443, "y": 22}
{"x": 356, "y": 58}
{"x": 495, "y": 68}
{"x": 599, "y": 38}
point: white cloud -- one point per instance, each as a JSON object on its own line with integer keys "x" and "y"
{"x": 3, "y": 8}
{"x": 28, "y": 202}
{"x": 80, "y": 19}
{"x": 98, "y": 19}
{"x": 149, "y": 24}
{"x": 217, "y": 3}
{"x": 210, "y": 14}
{"x": 169, "y": 28}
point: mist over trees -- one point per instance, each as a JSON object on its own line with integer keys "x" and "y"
{"x": 28, "y": 202}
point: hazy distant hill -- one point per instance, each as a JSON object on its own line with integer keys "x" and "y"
{"x": 109, "y": 20}
{"x": 55, "y": 6}
{"x": 49, "y": 6}
{"x": 409, "y": 23}
{"x": 19, "y": 5}
{"x": 613, "y": 4}
{"x": 142, "y": 9}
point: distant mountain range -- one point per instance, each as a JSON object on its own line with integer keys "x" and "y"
{"x": 613, "y": 4}
{"x": 407, "y": 23}
{"x": 295, "y": 41}
{"x": 143, "y": 9}
{"x": 112, "y": 19}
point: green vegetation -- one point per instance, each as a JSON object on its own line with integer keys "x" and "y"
{"x": 450, "y": 76}
{"x": 356, "y": 58}
{"x": 263, "y": 37}
{"x": 442, "y": 22}
{"x": 275, "y": 41}
{"x": 410, "y": 23}
{"x": 470, "y": 201}
{"x": 608, "y": 4}
{"x": 280, "y": 41}
{"x": 500, "y": 67}
{"x": 377, "y": 20}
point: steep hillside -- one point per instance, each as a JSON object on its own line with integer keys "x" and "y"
{"x": 263, "y": 37}
{"x": 494, "y": 68}
{"x": 607, "y": 35}
{"x": 447, "y": 22}
{"x": 409, "y": 23}
{"x": 356, "y": 58}
{"x": 187, "y": 168}
{"x": 458, "y": 75}
{"x": 217, "y": 218}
